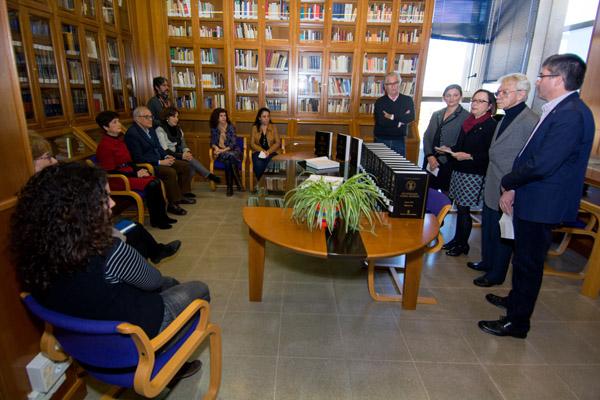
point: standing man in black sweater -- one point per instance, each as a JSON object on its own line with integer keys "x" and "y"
{"x": 393, "y": 113}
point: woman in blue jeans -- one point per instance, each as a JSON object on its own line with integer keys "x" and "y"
{"x": 68, "y": 258}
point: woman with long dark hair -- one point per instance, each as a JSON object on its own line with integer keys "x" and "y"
{"x": 67, "y": 257}
{"x": 470, "y": 154}
{"x": 224, "y": 144}
{"x": 264, "y": 141}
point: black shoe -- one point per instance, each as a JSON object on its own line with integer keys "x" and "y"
{"x": 175, "y": 209}
{"x": 186, "y": 200}
{"x": 188, "y": 369}
{"x": 189, "y": 195}
{"x": 166, "y": 250}
{"x": 229, "y": 191}
{"x": 502, "y": 327}
{"x": 449, "y": 245}
{"x": 477, "y": 266}
{"x": 458, "y": 250}
{"x": 161, "y": 225}
{"x": 483, "y": 281}
{"x": 498, "y": 301}
{"x": 214, "y": 178}
{"x": 170, "y": 220}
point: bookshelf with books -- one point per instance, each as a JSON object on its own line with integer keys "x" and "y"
{"x": 310, "y": 82}
{"x": 311, "y": 20}
{"x": 247, "y": 79}
{"x": 75, "y": 69}
{"x": 21, "y": 61}
{"x": 95, "y": 69}
{"x": 378, "y": 22}
{"x": 339, "y": 83}
{"x": 183, "y": 77}
{"x": 344, "y": 14}
{"x": 108, "y": 12}
{"x": 245, "y": 17}
{"x": 88, "y": 8}
{"x": 130, "y": 87}
{"x": 276, "y": 80}
{"x": 277, "y": 21}
{"x": 212, "y": 78}
{"x": 374, "y": 67}
{"x": 115, "y": 73}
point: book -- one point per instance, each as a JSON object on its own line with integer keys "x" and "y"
{"x": 342, "y": 147}
{"x": 355, "y": 156}
{"x": 323, "y": 143}
{"x": 320, "y": 163}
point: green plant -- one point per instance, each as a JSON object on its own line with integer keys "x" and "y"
{"x": 354, "y": 201}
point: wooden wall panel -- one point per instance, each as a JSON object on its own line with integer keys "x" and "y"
{"x": 589, "y": 91}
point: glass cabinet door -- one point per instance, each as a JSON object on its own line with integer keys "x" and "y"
{"x": 114, "y": 67}
{"x": 129, "y": 75}
{"x": 310, "y": 74}
{"x": 79, "y": 98}
{"x": 21, "y": 61}
{"x": 95, "y": 68}
{"x": 45, "y": 60}
{"x": 88, "y": 8}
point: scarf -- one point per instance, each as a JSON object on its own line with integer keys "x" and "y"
{"x": 471, "y": 121}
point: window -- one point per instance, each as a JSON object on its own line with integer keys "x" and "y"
{"x": 578, "y": 27}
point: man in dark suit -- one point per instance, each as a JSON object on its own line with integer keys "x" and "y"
{"x": 544, "y": 187}
{"x": 393, "y": 112}
{"x": 511, "y": 134}
{"x": 144, "y": 147}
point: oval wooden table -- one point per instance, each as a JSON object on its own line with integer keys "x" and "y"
{"x": 395, "y": 237}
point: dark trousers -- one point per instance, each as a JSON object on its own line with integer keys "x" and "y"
{"x": 398, "y": 145}
{"x": 464, "y": 225}
{"x": 155, "y": 202}
{"x": 532, "y": 241}
{"x": 260, "y": 164}
{"x": 495, "y": 251}
{"x": 141, "y": 240}
{"x": 177, "y": 179}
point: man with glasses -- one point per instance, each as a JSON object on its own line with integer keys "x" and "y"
{"x": 393, "y": 113}
{"x": 511, "y": 134}
{"x": 544, "y": 187}
{"x": 144, "y": 147}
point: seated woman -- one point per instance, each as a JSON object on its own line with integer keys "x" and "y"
{"x": 172, "y": 141}
{"x": 41, "y": 152}
{"x": 264, "y": 141}
{"x": 224, "y": 144}
{"x": 113, "y": 156}
{"x": 66, "y": 256}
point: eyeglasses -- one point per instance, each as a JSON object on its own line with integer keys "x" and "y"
{"x": 46, "y": 157}
{"x": 391, "y": 83}
{"x": 146, "y": 116}
{"x": 542, "y": 76}
{"x": 506, "y": 92}
{"x": 479, "y": 101}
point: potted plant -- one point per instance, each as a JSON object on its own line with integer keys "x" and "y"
{"x": 319, "y": 202}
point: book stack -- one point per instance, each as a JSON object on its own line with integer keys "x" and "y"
{"x": 342, "y": 147}
{"x": 343, "y": 12}
{"x": 245, "y": 9}
{"x": 323, "y": 143}
{"x": 402, "y": 182}
{"x": 276, "y": 60}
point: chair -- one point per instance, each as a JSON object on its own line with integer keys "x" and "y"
{"x": 121, "y": 354}
{"x": 251, "y": 166}
{"x": 587, "y": 224}
{"x": 437, "y": 203}
{"x": 214, "y": 164}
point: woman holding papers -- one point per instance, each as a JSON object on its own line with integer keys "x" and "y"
{"x": 225, "y": 148}
{"x": 264, "y": 141}
{"x": 469, "y": 166}
{"x": 443, "y": 129}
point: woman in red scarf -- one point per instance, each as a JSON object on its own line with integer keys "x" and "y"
{"x": 469, "y": 166}
{"x": 113, "y": 157}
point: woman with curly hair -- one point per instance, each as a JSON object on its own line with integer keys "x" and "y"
{"x": 65, "y": 254}
{"x": 224, "y": 144}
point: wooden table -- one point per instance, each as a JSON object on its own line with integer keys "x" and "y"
{"x": 397, "y": 236}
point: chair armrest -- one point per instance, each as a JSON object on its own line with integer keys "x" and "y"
{"x": 174, "y": 327}
{"x": 123, "y": 178}
{"x": 149, "y": 167}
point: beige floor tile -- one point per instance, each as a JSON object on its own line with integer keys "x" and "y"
{"x": 372, "y": 338}
{"x": 457, "y": 382}
{"x": 582, "y": 380}
{"x": 311, "y": 379}
{"x": 316, "y": 298}
{"x": 375, "y": 380}
{"x": 310, "y": 335}
{"x": 528, "y": 382}
{"x": 246, "y": 333}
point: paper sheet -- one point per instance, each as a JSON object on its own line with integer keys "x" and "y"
{"x": 262, "y": 154}
{"x": 506, "y": 227}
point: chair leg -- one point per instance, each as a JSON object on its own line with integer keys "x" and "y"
{"x": 215, "y": 362}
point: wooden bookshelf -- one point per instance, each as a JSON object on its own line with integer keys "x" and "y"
{"x": 74, "y": 58}
{"x": 325, "y": 44}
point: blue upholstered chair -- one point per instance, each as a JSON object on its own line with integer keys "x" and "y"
{"x": 121, "y": 354}
{"x": 217, "y": 165}
{"x": 438, "y": 204}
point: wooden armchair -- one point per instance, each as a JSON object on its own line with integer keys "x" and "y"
{"x": 217, "y": 165}
{"x": 251, "y": 166}
{"x": 121, "y": 354}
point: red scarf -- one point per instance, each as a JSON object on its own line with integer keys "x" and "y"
{"x": 471, "y": 121}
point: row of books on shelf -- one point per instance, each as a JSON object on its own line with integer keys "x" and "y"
{"x": 79, "y": 99}
{"x": 183, "y": 78}
{"x": 246, "y": 59}
{"x": 213, "y": 80}
{"x": 340, "y": 86}
{"x": 277, "y": 104}
{"x": 181, "y": 55}
{"x": 115, "y": 78}
{"x": 308, "y": 105}
{"x": 245, "y": 9}
{"x": 343, "y": 12}
{"x": 338, "y": 105}
{"x": 214, "y": 32}
{"x": 246, "y": 31}
{"x": 209, "y": 56}
{"x": 341, "y": 35}
{"x": 187, "y": 100}
{"x": 406, "y": 65}
{"x": 310, "y": 34}
{"x": 113, "y": 50}
{"x": 245, "y": 103}
{"x": 378, "y": 35}
{"x": 312, "y": 12}
{"x": 412, "y": 13}
{"x": 214, "y": 101}
{"x": 51, "y": 104}
{"x": 75, "y": 72}
{"x": 95, "y": 73}
{"x": 310, "y": 63}
{"x": 207, "y": 10}
{"x": 340, "y": 63}
{"x": 409, "y": 36}
{"x": 253, "y": 201}
{"x": 309, "y": 85}
{"x": 92, "y": 49}
{"x": 275, "y": 183}
{"x": 40, "y": 28}
{"x": 381, "y": 12}
{"x": 276, "y": 86}
{"x": 277, "y": 10}
{"x": 180, "y": 30}
{"x": 179, "y": 8}
{"x": 375, "y": 64}
{"x": 276, "y": 60}
{"x": 46, "y": 67}
{"x": 246, "y": 84}
{"x": 71, "y": 45}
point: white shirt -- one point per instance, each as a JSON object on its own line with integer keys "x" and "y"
{"x": 546, "y": 110}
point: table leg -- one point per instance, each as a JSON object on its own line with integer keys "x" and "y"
{"x": 412, "y": 279}
{"x": 256, "y": 265}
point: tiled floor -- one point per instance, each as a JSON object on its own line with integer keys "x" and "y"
{"x": 318, "y": 335}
